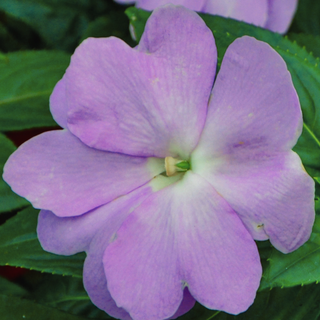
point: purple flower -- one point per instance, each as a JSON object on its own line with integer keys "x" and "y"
{"x": 275, "y": 15}
{"x": 157, "y": 243}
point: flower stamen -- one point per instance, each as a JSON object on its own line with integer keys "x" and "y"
{"x": 173, "y": 166}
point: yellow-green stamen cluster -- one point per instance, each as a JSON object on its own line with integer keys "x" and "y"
{"x": 174, "y": 166}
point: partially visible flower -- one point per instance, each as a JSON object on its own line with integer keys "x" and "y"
{"x": 275, "y": 15}
{"x": 155, "y": 243}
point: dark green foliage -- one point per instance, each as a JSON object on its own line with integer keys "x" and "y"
{"x": 309, "y": 41}
{"x": 307, "y": 17}
{"x": 27, "y": 79}
{"x": 8, "y": 200}
{"x": 20, "y": 247}
{"x": 60, "y": 24}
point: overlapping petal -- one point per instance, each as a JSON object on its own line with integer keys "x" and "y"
{"x": 273, "y": 195}
{"x": 96, "y": 284}
{"x": 254, "y": 108}
{"x": 183, "y": 235}
{"x": 58, "y": 103}
{"x": 190, "y": 4}
{"x": 157, "y": 107}
{"x": 280, "y": 14}
{"x": 92, "y": 232}
{"x": 250, "y": 11}
{"x": 55, "y": 171}
{"x": 94, "y": 278}
{"x": 254, "y": 119}
{"x": 70, "y": 235}
{"x": 186, "y": 305}
{"x": 269, "y": 14}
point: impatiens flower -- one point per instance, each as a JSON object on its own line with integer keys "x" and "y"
{"x": 275, "y": 15}
{"x": 165, "y": 179}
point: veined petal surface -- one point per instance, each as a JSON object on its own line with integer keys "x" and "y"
{"x": 55, "y": 171}
{"x": 186, "y": 305}
{"x": 99, "y": 227}
{"x": 94, "y": 278}
{"x": 96, "y": 286}
{"x": 254, "y": 119}
{"x": 254, "y": 108}
{"x": 273, "y": 195}
{"x": 280, "y": 14}
{"x": 70, "y": 235}
{"x": 155, "y": 107}
{"x": 250, "y": 11}
{"x": 183, "y": 235}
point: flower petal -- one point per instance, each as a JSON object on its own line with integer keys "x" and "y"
{"x": 148, "y": 101}
{"x": 183, "y": 235}
{"x": 195, "y": 5}
{"x": 56, "y": 172}
{"x": 253, "y": 106}
{"x": 273, "y": 195}
{"x": 250, "y": 11}
{"x": 58, "y": 103}
{"x": 254, "y": 119}
{"x": 93, "y": 232}
{"x": 280, "y": 15}
{"x": 94, "y": 279}
{"x": 186, "y": 305}
{"x": 95, "y": 282}
{"x": 70, "y": 235}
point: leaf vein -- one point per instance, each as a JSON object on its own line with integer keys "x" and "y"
{"x": 25, "y": 97}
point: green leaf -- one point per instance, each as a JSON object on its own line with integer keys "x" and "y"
{"x": 299, "y": 267}
{"x": 306, "y": 19}
{"x": 16, "y": 35}
{"x": 27, "y": 79}
{"x": 59, "y": 23}
{"x": 20, "y": 247}
{"x": 66, "y": 294}
{"x": 14, "y": 308}
{"x": 307, "y": 84}
{"x": 291, "y": 303}
{"x": 8, "y": 200}
{"x": 114, "y": 24}
{"x": 304, "y": 69}
{"x": 317, "y": 196}
{"x": 138, "y": 20}
{"x": 296, "y": 303}
{"x": 309, "y": 41}
{"x": 11, "y": 288}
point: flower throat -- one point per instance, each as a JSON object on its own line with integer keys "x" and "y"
{"x": 174, "y": 166}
